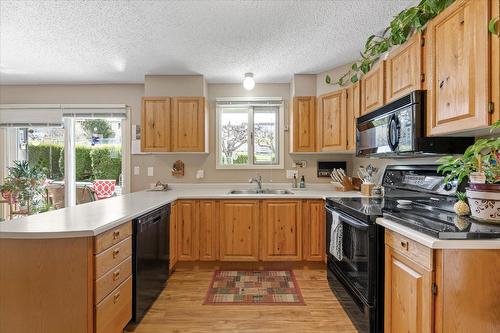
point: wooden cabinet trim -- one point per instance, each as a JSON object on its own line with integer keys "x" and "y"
{"x": 209, "y": 231}
{"x": 188, "y": 230}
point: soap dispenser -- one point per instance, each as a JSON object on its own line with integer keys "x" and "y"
{"x": 302, "y": 182}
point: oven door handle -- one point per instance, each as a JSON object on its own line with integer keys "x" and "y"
{"x": 345, "y": 219}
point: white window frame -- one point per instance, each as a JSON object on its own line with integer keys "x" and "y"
{"x": 9, "y": 151}
{"x": 248, "y": 103}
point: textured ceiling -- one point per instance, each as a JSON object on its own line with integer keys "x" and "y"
{"x": 121, "y": 41}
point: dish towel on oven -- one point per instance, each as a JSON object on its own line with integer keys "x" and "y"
{"x": 336, "y": 237}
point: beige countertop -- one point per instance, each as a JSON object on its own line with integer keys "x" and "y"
{"x": 96, "y": 217}
{"x": 435, "y": 243}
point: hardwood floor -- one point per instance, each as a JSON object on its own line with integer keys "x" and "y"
{"x": 179, "y": 308}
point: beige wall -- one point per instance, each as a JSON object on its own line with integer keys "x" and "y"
{"x": 194, "y": 162}
{"x": 322, "y": 87}
{"x": 131, "y": 94}
{"x": 174, "y": 85}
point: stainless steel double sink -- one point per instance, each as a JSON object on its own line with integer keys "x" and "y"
{"x": 261, "y": 191}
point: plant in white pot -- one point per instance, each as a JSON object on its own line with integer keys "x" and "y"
{"x": 480, "y": 164}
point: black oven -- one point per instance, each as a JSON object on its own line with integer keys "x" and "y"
{"x": 357, "y": 279}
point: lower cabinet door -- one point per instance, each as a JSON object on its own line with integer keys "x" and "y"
{"x": 313, "y": 230}
{"x": 114, "y": 312}
{"x": 187, "y": 233}
{"x": 208, "y": 230}
{"x": 239, "y": 230}
{"x": 282, "y": 230}
{"x": 408, "y": 295}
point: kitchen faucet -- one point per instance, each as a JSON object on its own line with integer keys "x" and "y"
{"x": 257, "y": 180}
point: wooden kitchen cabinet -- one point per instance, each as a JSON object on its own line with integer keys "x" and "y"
{"x": 495, "y": 65}
{"x": 373, "y": 89}
{"x": 313, "y": 230}
{"x": 353, "y": 110}
{"x": 403, "y": 69}
{"x": 408, "y": 294}
{"x": 208, "y": 217}
{"x": 239, "y": 230}
{"x": 440, "y": 290}
{"x": 174, "y": 236}
{"x": 188, "y": 124}
{"x": 303, "y": 124}
{"x": 282, "y": 230}
{"x": 458, "y": 67}
{"x": 155, "y": 124}
{"x": 187, "y": 219}
{"x": 332, "y": 134}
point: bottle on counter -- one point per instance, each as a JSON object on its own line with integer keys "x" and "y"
{"x": 294, "y": 183}
{"x": 302, "y": 182}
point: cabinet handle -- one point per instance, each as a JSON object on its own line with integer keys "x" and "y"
{"x": 116, "y": 297}
{"x": 116, "y": 234}
{"x": 116, "y": 252}
{"x": 116, "y": 275}
{"x": 404, "y": 245}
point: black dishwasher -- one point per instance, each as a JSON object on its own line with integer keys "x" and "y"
{"x": 150, "y": 259}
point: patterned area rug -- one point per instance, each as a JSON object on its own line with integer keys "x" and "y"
{"x": 254, "y": 287}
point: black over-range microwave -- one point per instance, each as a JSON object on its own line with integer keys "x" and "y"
{"x": 397, "y": 130}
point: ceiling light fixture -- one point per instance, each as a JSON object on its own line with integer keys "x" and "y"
{"x": 248, "y": 81}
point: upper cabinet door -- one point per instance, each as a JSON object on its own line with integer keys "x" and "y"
{"x": 303, "y": 124}
{"x": 332, "y": 121}
{"x": 155, "y": 124}
{"x": 188, "y": 124}
{"x": 373, "y": 89}
{"x": 353, "y": 108}
{"x": 403, "y": 69}
{"x": 457, "y": 68}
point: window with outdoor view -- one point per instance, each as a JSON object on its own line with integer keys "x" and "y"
{"x": 249, "y": 134}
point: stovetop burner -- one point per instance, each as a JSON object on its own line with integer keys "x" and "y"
{"x": 429, "y": 211}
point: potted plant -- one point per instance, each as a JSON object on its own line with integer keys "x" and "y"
{"x": 480, "y": 166}
{"x": 24, "y": 186}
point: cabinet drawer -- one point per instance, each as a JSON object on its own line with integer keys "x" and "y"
{"x": 112, "y": 257}
{"x": 112, "y": 237}
{"x": 115, "y": 311}
{"x": 112, "y": 279}
{"x": 416, "y": 252}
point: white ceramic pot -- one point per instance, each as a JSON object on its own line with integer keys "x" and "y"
{"x": 484, "y": 205}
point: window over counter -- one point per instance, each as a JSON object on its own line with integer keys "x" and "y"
{"x": 250, "y": 133}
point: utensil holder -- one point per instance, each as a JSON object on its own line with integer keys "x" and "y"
{"x": 366, "y": 189}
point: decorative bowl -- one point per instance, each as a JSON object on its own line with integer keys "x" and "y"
{"x": 484, "y": 204}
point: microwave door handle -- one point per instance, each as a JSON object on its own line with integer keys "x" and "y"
{"x": 394, "y": 120}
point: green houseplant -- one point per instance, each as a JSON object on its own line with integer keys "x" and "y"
{"x": 24, "y": 186}
{"x": 480, "y": 166}
{"x": 402, "y": 26}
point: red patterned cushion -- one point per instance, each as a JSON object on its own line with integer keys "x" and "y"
{"x": 104, "y": 188}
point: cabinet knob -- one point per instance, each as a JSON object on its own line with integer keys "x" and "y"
{"x": 116, "y": 275}
{"x": 116, "y": 297}
{"x": 116, "y": 234}
{"x": 116, "y": 252}
{"x": 404, "y": 245}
